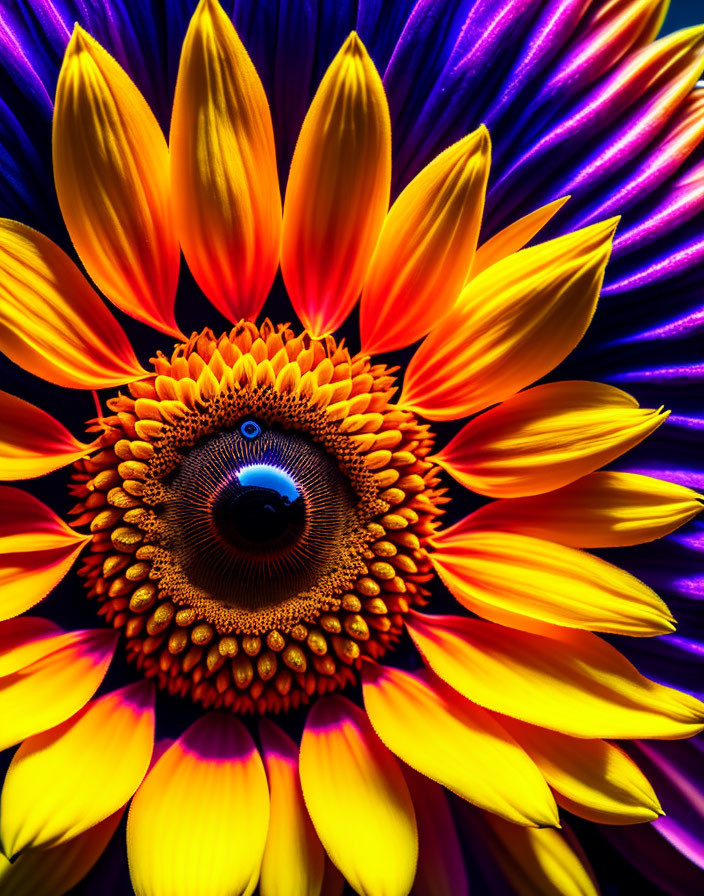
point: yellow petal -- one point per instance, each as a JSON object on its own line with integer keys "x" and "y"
{"x": 32, "y": 443}
{"x": 546, "y": 437}
{"x": 514, "y": 237}
{"x": 25, "y": 640}
{"x": 198, "y": 823}
{"x": 54, "y": 687}
{"x": 538, "y": 861}
{"x": 566, "y": 680}
{"x": 506, "y": 577}
{"x": 338, "y": 191}
{"x": 426, "y": 247}
{"x": 111, "y": 169}
{"x": 510, "y": 326}
{"x": 51, "y": 322}
{"x": 62, "y": 782}
{"x": 294, "y": 859}
{"x": 433, "y": 729}
{"x": 591, "y": 778}
{"x": 223, "y": 167}
{"x": 601, "y": 510}
{"x": 37, "y": 549}
{"x": 441, "y": 870}
{"x": 358, "y": 800}
{"x": 56, "y": 870}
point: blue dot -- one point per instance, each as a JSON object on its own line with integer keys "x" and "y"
{"x": 250, "y": 429}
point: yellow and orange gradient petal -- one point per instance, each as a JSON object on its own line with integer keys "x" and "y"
{"x": 224, "y": 181}
{"x": 111, "y": 169}
{"x": 37, "y": 549}
{"x": 338, "y": 191}
{"x": 49, "y": 797}
{"x": 197, "y": 825}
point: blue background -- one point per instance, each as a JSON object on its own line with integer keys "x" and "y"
{"x": 683, "y": 13}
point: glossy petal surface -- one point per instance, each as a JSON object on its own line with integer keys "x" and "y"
{"x": 426, "y": 247}
{"x": 546, "y": 437}
{"x": 198, "y": 823}
{"x": 294, "y": 859}
{"x": 506, "y": 577}
{"x": 37, "y": 549}
{"x": 510, "y": 326}
{"x": 427, "y": 725}
{"x": 111, "y": 168}
{"x": 32, "y": 443}
{"x": 338, "y": 191}
{"x": 62, "y": 782}
{"x": 223, "y": 167}
{"x": 358, "y": 799}
{"x": 566, "y": 680}
{"x": 54, "y": 687}
{"x": 601, "y": 510}
{"x": 44, "y": 304}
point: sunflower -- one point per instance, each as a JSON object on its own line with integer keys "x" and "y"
{"x": 260, "y": 512}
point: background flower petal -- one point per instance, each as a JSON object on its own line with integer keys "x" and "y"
{"x": 37, "y": 549}
{"x": 294, "y": 859}
{"x": 434, "y": 730}
{"x": 32, "y": 442}
{"x": 53, "y": 688}
{"x": 111, "y": 169}
{"x": 55, "y": 870}
{"x": 358, "y": 799}
{"x": 45, "y": 307}
{"x": 426, "y": 247}
{"x": 566, "y": 680}
{"x": 510, "y": 326}
{"x": 198, "y": 823}
{"x": 505, "y": 577}
{"x": 62, "y": 782}
{"x": 441, "y": 870}
{"x": 338, "y": 191}
{"x": 223, "y": 167}
{"x": 546, "y": 437}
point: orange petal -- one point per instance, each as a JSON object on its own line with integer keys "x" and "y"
{"x": 514, "y": 237}
{"x": 441, "y": 869}
{"x": 51, "y": 322}
{"x": 62, "y": 782}
{"x": 198, "y": 823}
{"x": 32, "y": 443}
{"x": 37, "y": 549}
{"x": 546, "y": 437}
{"x": 537, "y": 861}
{"x": 426, "y": 247}
{"x": 358, "y": 799}
{"x": 566, "y": 680}
{"x": 223, "y": 167}
{"x": 510, "y": 326}
{"x": 25, "y": 640}
{"x": 433, "y": 729}
{"x": 601, "y": 510}
{"x": 55, "y": 871}
{"x": 591, "y": 778}
{"x": 294, "y": 859}
{"x": 54, "y": 687}
{"x": 111, "y": 169}
{"x": 338, "y": 191}
{"x": 507, "y": 577}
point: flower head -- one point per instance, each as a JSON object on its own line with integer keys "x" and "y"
{"x": 260, "y": 514}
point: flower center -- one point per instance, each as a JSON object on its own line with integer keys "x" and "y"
{"x": 259, "y": 512}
